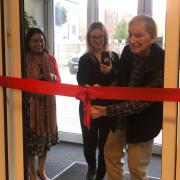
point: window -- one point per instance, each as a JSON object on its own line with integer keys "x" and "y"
{"x": 159, "y": 15}
{"x": 70, "y": 32}
{"x": 115, "y": 15}
{"x": 70, "y": 37}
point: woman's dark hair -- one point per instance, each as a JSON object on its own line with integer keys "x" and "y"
{"x": 30, "y": 33}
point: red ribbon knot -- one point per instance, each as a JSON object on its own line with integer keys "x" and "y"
{"x": 86, "y": 98}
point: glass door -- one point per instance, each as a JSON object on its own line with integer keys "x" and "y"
{"x": 159, "y": 15}
{"x": 170, "y": 155}
{"x": 115, "y": 15}
{"x": 70, "y": 26}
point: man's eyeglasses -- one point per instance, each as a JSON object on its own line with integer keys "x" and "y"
{"x": 96, "y": 38}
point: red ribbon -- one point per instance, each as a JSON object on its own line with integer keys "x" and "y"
{"x": 86, "y": 94}
{"x": 86, "y": 99}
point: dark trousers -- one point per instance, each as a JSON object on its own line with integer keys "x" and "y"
{"x": 94, "y": 138}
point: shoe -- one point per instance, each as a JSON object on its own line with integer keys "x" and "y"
{"x": 98, "y": 178}
{"x": 90, "y": 174}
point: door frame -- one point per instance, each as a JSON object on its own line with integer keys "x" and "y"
{"x": 15, "y": 129}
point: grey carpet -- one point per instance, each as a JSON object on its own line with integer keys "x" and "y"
{"x": 77, "y": 171}
{"x": 62, "y": 157}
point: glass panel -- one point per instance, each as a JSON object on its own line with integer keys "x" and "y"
{"x": 159, "y": 15}
{"x": 115, "y": 15}
{"x": 70, "y": 30}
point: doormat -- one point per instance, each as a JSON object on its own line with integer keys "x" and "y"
{"x": 77, "y": 171}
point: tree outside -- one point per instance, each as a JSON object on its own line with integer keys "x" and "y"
{"x": 29, "y": 22}
{"x": 60, "y": 15}
{"x": 121, "y": 31}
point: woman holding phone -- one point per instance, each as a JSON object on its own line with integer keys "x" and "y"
{"x": 98, "y": 66}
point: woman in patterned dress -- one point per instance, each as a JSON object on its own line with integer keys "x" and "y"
{"x": 41, "y": 108}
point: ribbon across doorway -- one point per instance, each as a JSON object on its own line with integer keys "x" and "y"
{"x": 86, "y": 94}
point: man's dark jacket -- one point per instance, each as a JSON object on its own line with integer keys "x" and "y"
{"x": 145, "y": 125}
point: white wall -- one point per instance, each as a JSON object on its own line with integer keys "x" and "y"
{"x": 39, "y": 9}
{"x": 35, "y": 8}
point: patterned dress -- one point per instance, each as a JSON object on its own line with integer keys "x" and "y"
{"x": 42, "y": 132}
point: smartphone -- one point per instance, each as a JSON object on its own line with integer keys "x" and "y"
{"x": 105, "y": 58}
